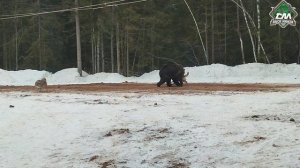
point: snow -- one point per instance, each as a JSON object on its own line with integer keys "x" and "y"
{"x": 208, "y": 129}
{"x": 197, "y": 130}
{"x": 248, "y": 73}
{"x": 216, "y": 73}
{"x": 22, "y": 77}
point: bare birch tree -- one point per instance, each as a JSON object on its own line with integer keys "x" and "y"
{"x": 253, "y": 24}
{"x": 240, "y": 35}
{"x": 204, "y": 50}
{"x": 258, "y": 27}
{"x": 249, "y": 31}
{"x": 79, "y": 63}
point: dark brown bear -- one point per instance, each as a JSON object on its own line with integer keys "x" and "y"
{"x": 171, "y": 71}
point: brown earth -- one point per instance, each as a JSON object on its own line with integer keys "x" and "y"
{"x": 152, "y": 88}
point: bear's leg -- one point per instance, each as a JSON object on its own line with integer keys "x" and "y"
{"x": 169, "y": 82}
{"x": 176, "y": 82}
{"x": 181, "y": 82}
{"x": 160, "y": 82}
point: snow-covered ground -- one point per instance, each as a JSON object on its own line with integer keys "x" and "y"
{"x": 136, "y": 130}
{"x": 216, "y": 73}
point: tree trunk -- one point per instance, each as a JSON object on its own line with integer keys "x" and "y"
{"x": 93, "y": 50}
{"x": 279, "y": 45}
{"x": 118, "y": 48}
{"x": 152, "y": 47}
{"x": 194, "y": 54}
{"x": 112, "y": 42}
{"x": 206, "y": 32}
{"x": 142, "y": 56}
{"x": 4, "y": 47}
{"x": 39, "y": 23}
{"x": 79, "y": 63}
{"x": 212, "y": 33}
{"x": 102, "y": 52}
{"x": 240, "y": 35}
{"x": 136, "y": 50}
{"x": 16, "y": 41}
{"x": 253, "y": 24}
{"x": 258, "y": 28}
{"x": 298, "y": 45}
{"x": 199, "y": 34}
{"x": 225, "y": 32}
{"x": 98, "y": 51}
{"x": 16, "y": 45}
{"x": 249, "y": 31}
{"x": 127, "y": 53}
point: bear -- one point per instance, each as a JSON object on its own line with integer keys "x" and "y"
{"x": 172, "y": 71}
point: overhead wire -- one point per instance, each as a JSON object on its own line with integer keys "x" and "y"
{"x": 120, "y": 4}
{"x": 58, "y": 11}
{"x": 82, "y": 8}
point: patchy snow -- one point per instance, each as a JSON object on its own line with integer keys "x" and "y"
{"x": 218, "y": 129}
{"x": 215, "y": 129}
{"x": 216, "y": 73}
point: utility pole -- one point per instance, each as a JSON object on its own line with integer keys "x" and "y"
{"x": 39, "y": 20}
{"x": 79, "y": 63}
{"x": 16, "y": 45}
{"x": 16, "y": 40}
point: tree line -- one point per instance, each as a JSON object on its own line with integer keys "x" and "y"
{"x": 140, "y": 37}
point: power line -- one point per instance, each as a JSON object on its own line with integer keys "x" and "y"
{"x": 83, "y": 8}
{"x": 120, "y": 4}
{"x": 58, "y": 11}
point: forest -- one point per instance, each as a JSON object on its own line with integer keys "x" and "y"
{"x": 131, "y": 37}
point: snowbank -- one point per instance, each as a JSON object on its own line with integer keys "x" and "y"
{"x": 66, "y": 76}
{"x": 248, "y": 73}
{"x": 22, "y": 77}
{"x": 216, "y": 73}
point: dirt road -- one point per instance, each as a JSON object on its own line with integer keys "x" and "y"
{"x": 140, "y": 87}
